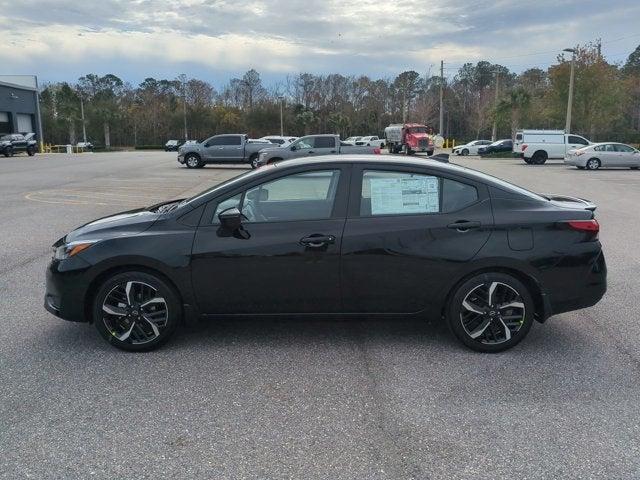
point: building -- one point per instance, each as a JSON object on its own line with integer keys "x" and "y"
{"x": 19, "y": 107}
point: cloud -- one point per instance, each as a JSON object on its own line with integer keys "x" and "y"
{"x": 59, "y": 39}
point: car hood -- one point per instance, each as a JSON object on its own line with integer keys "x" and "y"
{"x": 121, "y": 224}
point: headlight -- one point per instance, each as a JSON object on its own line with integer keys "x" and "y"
{"x": 73, "y": 248}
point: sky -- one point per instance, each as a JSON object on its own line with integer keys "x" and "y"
{"x": 215, "y": 40}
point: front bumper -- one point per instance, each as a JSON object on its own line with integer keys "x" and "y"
{"x": 181, "y": 158}
{"x": 66, "y": 288}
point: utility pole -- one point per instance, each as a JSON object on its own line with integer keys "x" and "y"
{"x": 281, "y": 98}
{"x": 84, "y": 127}
{"x": 494, "y": 130}
{"x": 440, "y": 125}
{"x": 567, "y": 125}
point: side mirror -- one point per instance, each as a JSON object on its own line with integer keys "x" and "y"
{"x": 293, "y": 148}
{"x": 231, "y": 218}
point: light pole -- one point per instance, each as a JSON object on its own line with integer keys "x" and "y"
{"x": 567, "y": 125}
{"x": 281, "y": 98}
{"x": 183, "y": 79}
{"x": 84, "y": 127}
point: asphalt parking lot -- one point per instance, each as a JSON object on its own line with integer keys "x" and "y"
{"x": 325, "y": 399}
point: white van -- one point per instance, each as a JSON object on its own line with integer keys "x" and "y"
{"x": 537, "y": 146}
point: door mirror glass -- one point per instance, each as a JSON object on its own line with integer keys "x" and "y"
{"x": 231, "y": 218}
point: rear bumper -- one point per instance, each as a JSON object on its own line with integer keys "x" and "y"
{"x": 586, "y": 290}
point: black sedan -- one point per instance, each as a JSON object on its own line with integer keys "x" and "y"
{"x": 347, "y": 235}
{"x": 496, "y": 147}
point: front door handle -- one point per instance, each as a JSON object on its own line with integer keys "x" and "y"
{"x": 317, "y": 240}
{"x": 464, "y": 225}
{"x": 310, "y": 152}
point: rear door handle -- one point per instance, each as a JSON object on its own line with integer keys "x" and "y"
{"x": 464, "y": 225}
{"x": 317, "y": 240}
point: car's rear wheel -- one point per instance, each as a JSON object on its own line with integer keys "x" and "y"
{"x": 193, "y": 161}
{"x": 539, "y": 157}
{"x": 8, "y": 152}
{"x": 31, "y": 151}
{"x": 491, "y": 312}
{"x": 593, "y": 164}
{"x": 136, "y": 311}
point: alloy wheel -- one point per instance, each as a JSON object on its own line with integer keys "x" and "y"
{"x": 593, "y": 164}
{"x": 193, "y": 161}
{"x": 492, "y": 313}
{"x": 133, "y": 312}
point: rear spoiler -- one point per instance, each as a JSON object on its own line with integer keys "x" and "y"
{"x": 572, "y": 202}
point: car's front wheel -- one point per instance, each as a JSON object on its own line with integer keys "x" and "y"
{"x": 193, "y": 161}
{"x": 253, "y": 160}
{"x": 465, "y": 152}
{"x": 8, "y": 152}
{"x": 491, "y": 312}
{"x": 136, "y": 311}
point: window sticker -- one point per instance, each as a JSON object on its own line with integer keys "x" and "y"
{"x": 404, "y": 195}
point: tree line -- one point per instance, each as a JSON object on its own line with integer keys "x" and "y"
{"x": 606, "y": 103}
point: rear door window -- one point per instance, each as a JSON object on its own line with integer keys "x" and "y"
{"x": 398, "y": 193}
{"x": 324, "y": 142}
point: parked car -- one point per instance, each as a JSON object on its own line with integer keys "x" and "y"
{"x": 371, "y": 141}
{"x": 311, "y": 146}
{"x": 470, "y": 148}
{"x": 409, "y": 138}
{"x": 84, "y": 146}
{"x": 537, "y": 146}
{"x": 235, "y": 148}
{"x": 604, "y": 155}
{"x": 278, "y": 140}
{"x": 17, "y": 142}
{"x": 352, "y": 140}
{"x": 172, "y": 145}
{"x": 505, "y": 145}
{"x": 335, "y": 235}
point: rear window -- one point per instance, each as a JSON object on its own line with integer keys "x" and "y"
{"x": 518, "y": 137}
{"x": 324, "y": 142}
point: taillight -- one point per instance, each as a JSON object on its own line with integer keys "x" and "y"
{"x": 377, "y": 151}
{"x": 524, "y": 147}
{"x": 585, "y": 225}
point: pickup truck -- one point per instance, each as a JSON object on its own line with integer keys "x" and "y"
{"x": 236, "y": 148}
{"x": 311, "y": 145}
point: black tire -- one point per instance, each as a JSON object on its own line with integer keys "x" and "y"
{"x": 8, "y": 152}
{"x": 634, "y": 168}
{"x": 31, "y": 151}
{"x": 465, "y": 152}
{"x": 593, "y": 164}
{"x": 429, "y": 153}
{"x": 539, "y": 157}
{"x": 253, "y": 159}
{"x": 126, "y": 332}
{"x": 192, "y": 160}
{"x": 527, "y": 160}
{"x": 580, "y": 168}
{"x": 489, "y": 328}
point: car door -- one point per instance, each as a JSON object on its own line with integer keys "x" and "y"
{"x": 286, "y": 256}
{"x": 19, "y": 143}
{"x": 626, "y": 156}
{"x": 232, "y": 148}
{"x": 607, "y": 155}
{"x": 212, "y": 148}
{"x": 408, "y": 229}
{"x": 324, "y": 145}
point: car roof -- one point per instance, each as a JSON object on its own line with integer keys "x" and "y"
{"x": 389, "y": 160}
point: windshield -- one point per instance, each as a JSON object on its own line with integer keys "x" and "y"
{"x": 5, "y": 137}
{"x": 418, "y": 130}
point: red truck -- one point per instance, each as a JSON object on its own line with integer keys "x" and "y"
{"x": 409, "y": 138}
